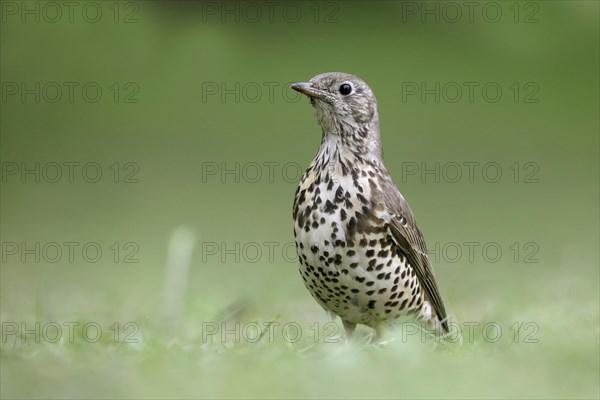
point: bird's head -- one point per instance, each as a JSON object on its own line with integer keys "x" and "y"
{"x": 345, "y": 107}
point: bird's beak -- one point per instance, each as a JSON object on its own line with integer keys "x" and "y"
{"x": 307, "y": 89}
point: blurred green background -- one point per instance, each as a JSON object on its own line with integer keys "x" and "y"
{"x": 179, "y": 103}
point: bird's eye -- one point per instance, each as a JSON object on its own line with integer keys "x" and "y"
{"x": 345, "y": 89}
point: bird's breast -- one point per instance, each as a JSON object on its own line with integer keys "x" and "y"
{"x": 333, "y": 213}
{"x": 347, "y": 257}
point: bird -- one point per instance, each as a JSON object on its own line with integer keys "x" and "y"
{"x": 362, "y": 255}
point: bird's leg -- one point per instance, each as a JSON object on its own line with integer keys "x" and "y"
{"x": 349, "y": 328}
{"x": 379, "y": 334}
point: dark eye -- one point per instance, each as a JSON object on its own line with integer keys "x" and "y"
{"x": 345, "y": 89}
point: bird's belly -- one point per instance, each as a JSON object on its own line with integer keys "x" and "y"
{"x": 358, "y": 275}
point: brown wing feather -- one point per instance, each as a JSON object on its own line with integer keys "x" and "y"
{"x": 408, "y": 237}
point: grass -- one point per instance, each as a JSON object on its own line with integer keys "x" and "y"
{"x": 234, "y": 349}
{"x": 160, "y": 367}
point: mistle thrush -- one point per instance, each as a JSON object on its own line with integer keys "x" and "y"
{"x": 362, "y": 255}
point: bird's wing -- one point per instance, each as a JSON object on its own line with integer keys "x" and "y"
{"x": 407, "y": 236}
